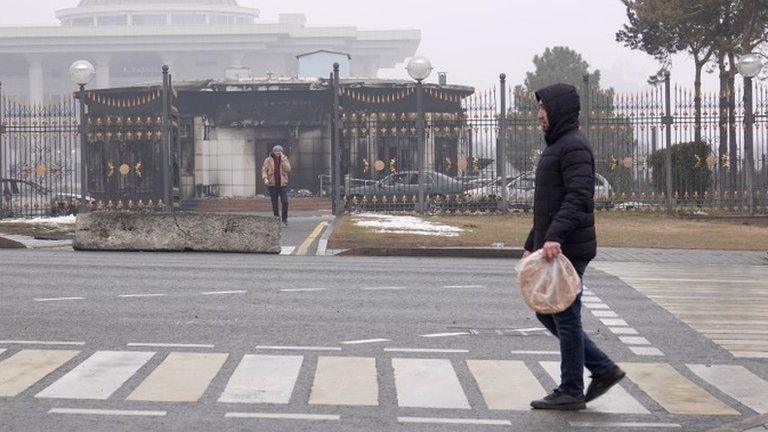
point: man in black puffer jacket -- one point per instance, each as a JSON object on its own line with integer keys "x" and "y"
{"x": 564, "y": 222}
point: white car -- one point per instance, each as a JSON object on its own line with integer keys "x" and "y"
{"x": 521, "y": 190}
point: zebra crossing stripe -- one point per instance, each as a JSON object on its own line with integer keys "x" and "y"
{"x": 26, "y": 367}
{"x": 737, "y": 382}
{"x": 505, "y": 385}
{"x": 263, "y": 379}
{"x": 616, "y": 401}
{"x": 181, "y": 377}
{"x": 428, "y": 383}
{"x": 674, "y": 392}
{"x": 99, "y": 376}
{"x": 345, "y": 381}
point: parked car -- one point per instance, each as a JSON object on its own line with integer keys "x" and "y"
{"x": 20, "y": 194}
{"x": 521, "y": 190}
{"x": 407, "y": 184}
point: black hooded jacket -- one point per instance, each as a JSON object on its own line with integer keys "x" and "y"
{"x": 564, "y": 205}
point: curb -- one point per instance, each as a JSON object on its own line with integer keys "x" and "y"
{"x": 322, "y": 244}
{"x": 454, "y": 252}
{"x": 6, "y": 243}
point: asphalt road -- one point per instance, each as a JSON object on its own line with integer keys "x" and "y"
{"x": 330, "y": 333}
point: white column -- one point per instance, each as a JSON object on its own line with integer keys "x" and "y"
{"x": 102, "y": 72}
{"x": 36, "y": 84}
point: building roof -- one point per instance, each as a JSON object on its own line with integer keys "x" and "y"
{"x": 89, "y": 3}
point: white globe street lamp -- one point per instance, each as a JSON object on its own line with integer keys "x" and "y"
{"x": 81, "y": 72}
{"x": 749, "y": 66}
{"x": 419, "y": 68}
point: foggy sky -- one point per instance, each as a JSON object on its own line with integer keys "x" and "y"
{"x": 473, "y": 41}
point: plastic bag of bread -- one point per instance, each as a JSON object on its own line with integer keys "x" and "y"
{"x": 548, "y": 287}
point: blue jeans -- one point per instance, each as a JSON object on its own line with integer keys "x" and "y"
{"x": 577, "y": 351}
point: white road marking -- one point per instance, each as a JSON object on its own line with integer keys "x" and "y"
{"x": 634, "y": 340}
{"x": 623, "y": 424}
{"x": 383, "y": 288}
{"x": 224, "y": 292}
{"x": 439, "y": 420}
{"x": 441, "y": 335}
{"x": 505, "y": 385}
{"x": 646, "y": 351}
{"x": 169, "y": 345}
{"x": 623, "y": 330}
{"x": 536, "y": 352}
{"x": 98, "y": 377}
{"x": 263, "y": 379}
{"x": 737, "y": 382}
{"x": 106, "y": 412}
{"x": 287, "y": 250}
{"x": 58, "y": 299}
{"x": 181, "y": 377}
{"x": 303, "y": 289}
{"x": 674, "y": 392}
{"x": 141, "y": 295}
{"x": 596, "y": 306}
{"x": 425, "y": 350}
{"x": 297, "y": 348}
{"x": 350, "y": 381}
{"x": 23, "y": 342}
{"x": 591, "y": 299}
{"x": 26, "y": 367}
{"x": 276, "y": 416}
{"x": 365, "y": 341}
{"x": 464, "y": 286}
{"x": 428, "y": 383}
{"x": 616, "y": 401}
{"x": 604, "y": 313}
{"x": 614, "y": 322}
{"x": 750, "y": 354}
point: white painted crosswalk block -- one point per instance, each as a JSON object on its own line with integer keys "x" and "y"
{"x": 181, "y": 377}
{"x": 737, "y": 382}
{"x": 26, "y": 367}
{"x": 505, "y": 385}
{"x": 345, "y": 381}
{"x": 428, "y": 383}
{"x": 266, "y": 379}
{"x": 99, "y": 376}
{"x": 674, "y": 392}
{"x": 616, "y": 401}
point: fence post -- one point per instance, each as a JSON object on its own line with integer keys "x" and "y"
{"x": 749, "y": 157}
{"x": 667, "y": 120}
{"x": 501, "y": 144}
{"x": 83, "y": 154}
{"x": 165, "y": 143}
{"x": 2, "y": 165}
{"x": 336, "y": 144}
{"x": 587, "y": 106}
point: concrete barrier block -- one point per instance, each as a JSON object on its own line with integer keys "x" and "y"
{"x": 203, "y": 232}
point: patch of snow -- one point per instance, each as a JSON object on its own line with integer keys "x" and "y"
{"x": 392, "y": 224}
{"x": 60, "y": 220}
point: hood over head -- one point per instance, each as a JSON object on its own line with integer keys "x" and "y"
{"x": 561, "y": 101}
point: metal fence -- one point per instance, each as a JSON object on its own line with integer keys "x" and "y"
{"x": 652, "y": 152}
{"x": 39, "y": 157}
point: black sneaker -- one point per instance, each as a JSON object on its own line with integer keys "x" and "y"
{"x": 603, "y": 382}
{"x": 559, "y": 400}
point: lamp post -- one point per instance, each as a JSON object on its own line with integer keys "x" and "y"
{"x": 82, "y": 72}
{"x": 749, "y": 65}
{"x": 419, "y": 68}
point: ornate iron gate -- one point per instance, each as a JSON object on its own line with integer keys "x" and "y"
{"x": 39, "y": 157}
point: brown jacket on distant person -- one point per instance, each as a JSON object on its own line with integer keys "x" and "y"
{"x": 268, "y": 171}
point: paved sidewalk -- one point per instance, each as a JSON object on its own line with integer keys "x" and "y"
{"x": 682, "y": 256}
